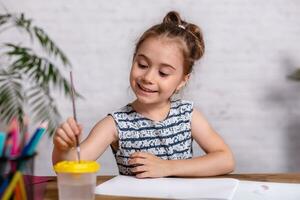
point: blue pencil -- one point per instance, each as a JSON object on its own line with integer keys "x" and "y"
{"x": 30, "y": 147}
{"x": 2, "y": 142}
{"x": 4, "y": 185}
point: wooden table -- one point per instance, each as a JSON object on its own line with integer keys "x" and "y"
{"x": 52, "y": 193}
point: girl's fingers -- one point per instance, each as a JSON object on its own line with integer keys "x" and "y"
{"x": 143, "y": 175}
{"x": 139, "y": 169}
{"x": 69, "y": 132}
{"x": 135, "y": 161}
{"x": 139, "y": 155}
{"x": 74, "y": 126}
{"x": 61, "y": 143}
{"x": 63, "y": 135}
{"x": 80, "y": 130}
{"x": 80, "y": 127}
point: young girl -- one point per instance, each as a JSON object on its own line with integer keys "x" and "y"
{"x": 153, "y": 135}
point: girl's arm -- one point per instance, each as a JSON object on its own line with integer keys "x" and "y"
{"x": 218, "y": 159}
{"x": 100, "y": 137}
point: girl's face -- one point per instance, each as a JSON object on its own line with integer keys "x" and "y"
{"x": 157, "y": 70}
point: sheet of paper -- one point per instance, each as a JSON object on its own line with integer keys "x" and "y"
{"x": 249, "y": 190}
{"x": 170, "y": 188}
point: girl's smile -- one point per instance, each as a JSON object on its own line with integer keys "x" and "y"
{"x": 145, "y": 90}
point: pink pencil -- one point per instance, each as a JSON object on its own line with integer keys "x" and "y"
{"x": 14, "y": 131}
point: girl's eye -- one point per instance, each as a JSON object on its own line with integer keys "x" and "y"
{"x": 162, "y": 74}
{"x": 142, "y": 66}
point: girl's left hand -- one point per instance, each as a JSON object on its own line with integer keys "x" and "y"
{"x": 148, "y": 165}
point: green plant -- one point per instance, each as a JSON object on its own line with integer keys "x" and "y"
{"x": 27, "y": 78}
{"x": 295, "y": 75}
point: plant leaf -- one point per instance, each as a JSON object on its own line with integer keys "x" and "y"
{"x": 11, "y": 97}
{"x": 43, "y": 108}
{"x": 295, "y": 75}
{"x": 37, "y": 73}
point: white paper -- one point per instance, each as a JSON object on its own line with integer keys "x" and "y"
{"x": 169, "y": 188}
{"x": 249, "y": 190}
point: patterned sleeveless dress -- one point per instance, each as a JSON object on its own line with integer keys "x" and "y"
{"x": 169, "y": 139}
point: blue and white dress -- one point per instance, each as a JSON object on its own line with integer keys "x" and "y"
{"x": 169, "y": 139}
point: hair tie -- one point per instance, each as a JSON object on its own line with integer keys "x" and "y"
{"x": 181, "y": 26}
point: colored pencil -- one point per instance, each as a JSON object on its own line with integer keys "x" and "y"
{"x": 14, "y": 131}
{"x": 2, "y": 142}
{"x": 22, "y": 188}
{"x": 9, "y": 190}
{"x": 31, "y": 146}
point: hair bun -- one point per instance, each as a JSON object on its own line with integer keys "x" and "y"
{"x": 172, "y": 17}
{"x": 197, "y": 33}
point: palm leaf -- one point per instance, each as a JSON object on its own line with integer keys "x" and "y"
{"x": 38, "y": 69}
{"x": 4, "y": 19}
{"x": 295, "y": 75}
{"x": 35, "y": 33}
{"x": 38, "y": 73}
{"x": 39, "y": 34}
{"x": 43, "y": 107}
{"x": 11, "y": 97}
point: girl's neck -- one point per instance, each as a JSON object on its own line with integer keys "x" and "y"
{"x": 155, "y": 112}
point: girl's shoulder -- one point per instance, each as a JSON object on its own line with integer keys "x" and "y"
{"x": 182, "y": 105}
{"x": 127, "y": 109}
{"x": 124, "y": 113}
{"x": 181, "y": 101}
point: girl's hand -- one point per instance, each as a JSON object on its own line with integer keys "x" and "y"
{"x": 65, "y": 135}
{"x": 148, "y": 165}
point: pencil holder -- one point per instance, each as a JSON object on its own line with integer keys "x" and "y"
{"x": 16, "y": 181}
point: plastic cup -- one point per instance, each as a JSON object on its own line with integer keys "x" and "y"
{"x": 76, "y": 180}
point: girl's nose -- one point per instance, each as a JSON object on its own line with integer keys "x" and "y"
{"x": 149, "y": 76}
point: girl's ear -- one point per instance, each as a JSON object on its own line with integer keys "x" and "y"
{"x": 183, "y": 82}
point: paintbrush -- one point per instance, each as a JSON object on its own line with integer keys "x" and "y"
{"x": 74, "y": 114}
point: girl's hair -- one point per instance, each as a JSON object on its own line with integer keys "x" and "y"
{"x": 187, "y": 34}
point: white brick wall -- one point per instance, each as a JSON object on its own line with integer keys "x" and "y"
{"x": 240, "y": 85}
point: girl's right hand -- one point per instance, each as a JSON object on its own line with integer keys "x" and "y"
{"x": 65, "y": 135}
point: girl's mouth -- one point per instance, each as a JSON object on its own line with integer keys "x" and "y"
{"x": 145, "y": 89}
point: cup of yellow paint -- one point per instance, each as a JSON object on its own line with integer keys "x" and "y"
{"x": 76, "y": 180}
